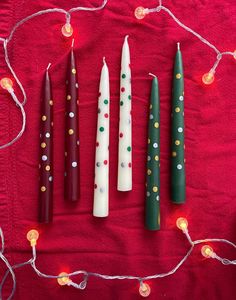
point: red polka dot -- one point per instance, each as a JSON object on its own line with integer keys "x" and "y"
{"x": 105, "y": 162}
{"x": 99, "y": 94}
{"x": 121, "y": 135}
{"x": 95, "y": 186}
{"x": 106, "y": 116}
{"x": 130, "y": 165}
{"x": 97, "y": 144}
{"x": 122, "y": 89}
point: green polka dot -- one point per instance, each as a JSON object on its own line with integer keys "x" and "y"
{"x": 121, "y": 103}
{"x": 129, "y": 97}
{"x": 123, "y": 76}
{"x": 105, "y": 101}
{"x": 129, "y": 148}
{"x": 101, "y": 129}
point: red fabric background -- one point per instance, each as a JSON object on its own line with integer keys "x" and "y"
{"x": 120, "y": 244}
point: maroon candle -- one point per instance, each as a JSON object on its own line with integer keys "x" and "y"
{"x": 46, "y": 151}
{"x": 72, "y": 133}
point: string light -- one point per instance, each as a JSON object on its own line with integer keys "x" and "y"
{"x": 67, "y": 30}
{"x": 65, "y": 279}
{"x": 208, "y": 78}
{"x": 6, "y": 83}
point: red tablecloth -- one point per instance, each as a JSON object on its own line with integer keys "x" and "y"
{"x": 120, "y": 244}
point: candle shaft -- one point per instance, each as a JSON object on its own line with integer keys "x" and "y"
{"x": 46, "y": 154}
{"x": 72, "y": 188}
{"x": 125, "y": 125}
{"x": 101, "y": 185}
{"x": 152, "y": 218}
{"x": 177, "y": 137}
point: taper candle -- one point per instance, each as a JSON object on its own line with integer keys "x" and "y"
{"x": 124, "y": 182}
{"x": 46, "y": 153}
{"x": 72, "y": 188}
{"x": 152, "y": 218}
{"x": 177, "y": 137}
{"x": 101, "y": 184}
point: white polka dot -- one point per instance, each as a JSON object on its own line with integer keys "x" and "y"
{"x": 151, "y": 117}
{"x": 181, "y": 98}
{"x": 76, "y": 85}
{"x": 158, "y": 198}
{"x": 47, "y": 135}
{"x": 180, "y": 129}
{"x": 149, "y": 158}
{"x": 179, "y": 167}
{"x": 71, "y": 114}
{"x": 44, "y": 157}
{"x": 78, "y": 143}
{"x": 50, "y": 178}
{"x": 148, "y": 194}
{"x": 74, "y": 164}
{"x": 155, "y": 145}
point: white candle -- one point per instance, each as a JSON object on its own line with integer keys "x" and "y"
{"x": 101, "y": 184}
{"x": 125, "y": 127}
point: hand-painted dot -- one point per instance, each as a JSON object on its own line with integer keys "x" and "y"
{"x": 130, "y": 165}
{"x": 77, "y": 143}
{"x": 99, "y": 110}
{"x": 95, "y": 186}
{"x": 122, "y": 89}
{"x": 74, "y": 164}
{"x": 43, "y": 188}
{"x": 150, "y": 106}
{"x": 39, "y": 166}
{"x": 151, "y": 117}
{"x": 51, "y": 102}
{"x": 156, "y": 125}
{"x": 50, "y": 178}
{"x": 149, "y": 141}
{"x": 98, "y": 164}
{"x": 129, "y": 97}
{"x": 73, "y": 71}
{"x": 43, "y": 145}
{"x": 178, "y": 76}
{"x": 70, "y": 131}
{"x": 47, "y": 168}
{"x": 47, "y": 134}
{"x": 129, "y": 148}
{"x": 65, "y": 153}
{"x": 174, "y": 154}
{"x": 68, "y": 97}
{"x": 177, "y": 142}
{"x": 179, "y": 167}
{"x": 158, "y": 198}
{"x": 99, "y": 94}
{"x": 149, "y": 172}
{"x": 44, "y": 157}
{"x": 148, "y": 194}
{"x": 155, "y": 189}
{"x": 106, "y": 116}
{"x": 123, "y": 76}
{"x": 156, "y": 157}
{"x": 101, "y": 129}
{"x": 101, "y": 190}
{"x": 71, "y": 114}
{"x": 155, "y": 145}
{"x": 149, "y": 158}
{"x": 121, "y": 135}
{"x": 105, "y": 101}
{"x": 180, "y": 129}
{"x": 77, "y": 85}
{"x": 177, "y": 109}
{"x": 97, "y": 144}
{"x": 44, "y": 118}
{"x": 52, "y": 124}
{"x": 122, "y": 165}
{"x": 181, "y": 98}
{"x": 105, "y": 162}
{"x": 121, "y": 103}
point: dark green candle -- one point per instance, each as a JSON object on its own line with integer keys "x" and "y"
{"x": 152, "y": 218}
{"x": 177, "y": 133}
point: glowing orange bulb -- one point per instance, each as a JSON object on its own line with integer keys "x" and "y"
{"x": 140, "y": 12}
{"x": 63, "y": 280}
{"x": 32, "y": 236}
{"x": 67, "y": 30}
{"x": 144, "y": 289}
{"x": 208, "y": 78}
{"x": 207, "y": 251}
{"x": 182, "y": 224}
{"x": 6, "y": 83}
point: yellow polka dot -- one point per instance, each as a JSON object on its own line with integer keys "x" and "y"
{"x": 156, "y": 125}
{"x": 44, "y": 118}
{"x": 47, "y": 168}
{"x": 149, "y": 141}
{"x": 149, "y": 172}
{"x": 156, "y": 157}
{"x": 73, "y": 71}
{"x": 68, "y": 97}
{"x": 43, "y": 145}
{"x": 174, "y": 154}
{"x": 43, "y": 188}
{"x": 177, "y": 109}
{"x": 178, "y": 76}
{"x": 70, "y": 131}
{"x": 155, "y": 189}
{"x": 177, "y": 142}
{"x": 150, "y": 106}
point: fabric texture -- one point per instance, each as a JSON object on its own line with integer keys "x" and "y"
{"x": 119, "y": 244}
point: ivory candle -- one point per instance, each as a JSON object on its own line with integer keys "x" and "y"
{"x": 101, "y": 184}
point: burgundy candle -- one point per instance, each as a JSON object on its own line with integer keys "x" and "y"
{"x": 46, "y": 151}
{"x": 72, "y": 133}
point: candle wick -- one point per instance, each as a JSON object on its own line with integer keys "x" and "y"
{"x": 49, "y": 65}
{"x": 72, "y": 44}
{"x": 152, "y": 75}
{"x": 178, "y": 46}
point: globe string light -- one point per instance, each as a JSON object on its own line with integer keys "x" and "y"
{"x": 7, "y": 84}
{"x": 207, "y": 78}
{"x": 65, "y": 279}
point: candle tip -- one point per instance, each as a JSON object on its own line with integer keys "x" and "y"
{"x": 49, "y": 65}
{"x": 72, "y": 44}
{"x": 104, "y": 59}
{"x": 126, "y": 37}
{"x": 178, "y": 46}
{"x": 152, "y": 75}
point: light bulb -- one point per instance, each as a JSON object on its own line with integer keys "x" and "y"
{"x": 182, "y": 224}
{"x": 140, "y": 12}
{"x": 207, "y": 251}
{"x": 63, "y": 280}
{"x": 208, "y": 78}
{"x": 32, "y": 236}
{"x": 67, "y": 30}
{"x": 6, "y": 83}
{"x": 144, "y": 289}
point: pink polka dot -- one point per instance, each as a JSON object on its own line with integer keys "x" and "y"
{"x": 97, "y": 144}
{"x": 95, "y": 186}
{"x": 106, "y": 116}
{"x": 130, "y": 165}
{"x": 122, "y": 89}
{"x": 121, "y": 135}
{"x": 105, "y": 162}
